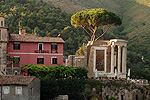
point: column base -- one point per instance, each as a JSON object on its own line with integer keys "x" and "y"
{"x": 104, "y": 74}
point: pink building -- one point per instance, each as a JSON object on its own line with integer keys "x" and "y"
{"x": 30, "y": 49}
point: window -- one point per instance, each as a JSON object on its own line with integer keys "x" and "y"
{"x": 40, "y": 46}
{"x": 19, "y": 90}
{"x": 121, "y": 97}
{"x": 54, "y": 47}
{"x": 6, "y": 89}
{"x": 15, "y": 73}
{"x": 31, "y": 91}
{"x": 40, "y": 60}
{"x": 16, "y": 60}
{"x": 16, "y": 46}
{"x": 54, "y": 60}
{"x": 107, "y": 97}
{"x": 136, "y": 97}
{"x": 1, "y": 23}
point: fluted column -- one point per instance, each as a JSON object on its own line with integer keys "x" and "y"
{"x": 112, "y": 58}
{"x": 119, "y": 58}
{"x": 124, "y": 53}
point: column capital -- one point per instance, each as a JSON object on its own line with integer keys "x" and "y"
{"x": 124, "y": 46}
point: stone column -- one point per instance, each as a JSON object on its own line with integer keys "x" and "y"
{"x": 105, "y": 60}
{"x": 119, "y": 58}
{"x": 124, "y": 59}
{"x": 112, "y": 58}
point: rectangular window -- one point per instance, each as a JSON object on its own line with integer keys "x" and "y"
{"x": 15, "y": 73}
{"x": 54, "y": 47}
{"x": 1, "y": 23}
{"x": 136, "y": 97}
{"x": 107, "y": 97}
{"x": 54, "y": 60}
{"x": 31, "y": 91}
{"x": 6, "y": 90}
{"x": 16, "y": 46}
{"x": 40, "y": 46}
{"x": 121, "y": 97}
{"x": 19, "y": 90}
{"x": 40, "y": 60}
{"x": 16, "y": 59}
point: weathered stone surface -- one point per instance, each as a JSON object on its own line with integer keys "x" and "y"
{"x": 123, "y": 91}
{"x": 75, "y": 60}
{"x": 3, "y": 47}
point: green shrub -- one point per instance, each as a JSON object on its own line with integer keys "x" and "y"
{"x": 56, "y": 72}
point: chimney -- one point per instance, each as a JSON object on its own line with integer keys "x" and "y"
{"x": 20, "y": 31}
{"x": 35, "y": 34}
{"x": 26, "y": 72}
{"x": 23, "y": 31}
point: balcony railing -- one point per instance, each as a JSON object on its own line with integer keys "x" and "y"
{"x": 45, "y": 51}
{"x": 14, "y": 65}
{"x": 41, "y": 51}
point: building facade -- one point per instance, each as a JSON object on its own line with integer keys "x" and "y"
{"x": 30, "y": 49}
{"x": 3, "y": 46}
{"x": 19, "y": 87}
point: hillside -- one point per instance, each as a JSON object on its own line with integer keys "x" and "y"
{"x": 135, "y": 28}
{"x": 135, "y": 15}
{"x": 47, "y": 20}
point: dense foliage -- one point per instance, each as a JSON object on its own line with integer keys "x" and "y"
{"x": 59, "y": 80}
{"x": 43, "y": 19}
{"x": 78, "y": 89}
{"x": 56, "y": 72}
{"x": 81, "y": 50}
{"x": 72, "y": 87}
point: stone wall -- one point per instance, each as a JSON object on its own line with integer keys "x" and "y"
{"x": 75, "y": 60}
{"x": 3, "y": 47}
{"x": 34, "y": 93}
{"x": 121, "y": 90}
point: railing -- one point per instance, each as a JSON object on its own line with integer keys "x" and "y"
{"x": 54, "y": 51}
{"x": 14, "y": 65}
{"x": 45, "y": 51}
{"x": 41, "y": 51}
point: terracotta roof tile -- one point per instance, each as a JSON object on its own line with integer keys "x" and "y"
{"x": 16, "y": 79}
{"x": 33, "y": 38}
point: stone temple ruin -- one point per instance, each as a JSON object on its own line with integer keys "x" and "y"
{"x": 103, "y": 57}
